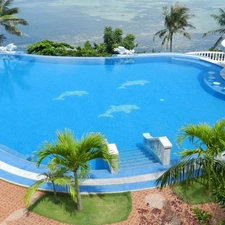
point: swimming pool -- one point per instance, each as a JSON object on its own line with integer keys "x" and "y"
{"x": 121, "y": 97}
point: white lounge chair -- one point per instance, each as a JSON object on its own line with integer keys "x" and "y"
{"x": 123, "y": 51}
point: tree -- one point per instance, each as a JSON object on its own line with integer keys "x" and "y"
{"x": 73, "y": 155}
{"x": 57, "y": 177}
{"x": 128, "y": 42}
{"x": 175, "y": 22}
{"x": 220, "y": 19}
{"x": 8, "y": 20}
{"x": 113, "y": 39}
{"x": 202, "y": 161}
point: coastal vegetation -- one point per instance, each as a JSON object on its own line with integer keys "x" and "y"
{"x": 112, "y": 39}
{"x": 72, "y": 156}
{"x": 8, "y": 19}
{"x": 175, "y": 22}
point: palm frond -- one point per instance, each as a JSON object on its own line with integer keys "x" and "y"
{"x": 8, "y": 20}
{"x": 175, "y": 21}
{"x": 187, "y": 170}
{"x": 31, "y": 190}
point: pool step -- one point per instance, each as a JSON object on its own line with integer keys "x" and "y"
{"x": 136, "y": 164}
{"x": 134, "y": 158}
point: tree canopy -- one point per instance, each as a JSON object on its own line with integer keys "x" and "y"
{"x": 8, "y": 20}
{"x": 175, "y": 22}
{"x": 220, "y": 19}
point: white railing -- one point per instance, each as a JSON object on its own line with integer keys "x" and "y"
{"x": 216, "y": 57}
{"x": 112, "y": 148}
{"x": 160, "y": 147}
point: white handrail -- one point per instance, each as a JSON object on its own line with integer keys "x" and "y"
{"x": 213, "y": 56}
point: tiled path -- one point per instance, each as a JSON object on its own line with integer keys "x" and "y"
{"x": 13, "y": 212}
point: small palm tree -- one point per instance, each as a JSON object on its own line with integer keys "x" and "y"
{"x": 57, "y": 177}
{"x": 74, "y": 155}
{"x": 220, "y": 19}
{"x": 175, "y": 22}
{"x": 202, "y": 161}
{"x": 8, "y": 20}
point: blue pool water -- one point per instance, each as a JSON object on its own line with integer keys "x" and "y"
{"x": 119, "y": 97}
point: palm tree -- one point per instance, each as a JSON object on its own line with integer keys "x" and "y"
{"x": 203, "y": 160}
{"x": 220, "y": 19}
{"x": 175, "y": 21}
{"x": 57, "y": 177}
{"x": 8, "y": 20}
{"x": 74, "y": 155}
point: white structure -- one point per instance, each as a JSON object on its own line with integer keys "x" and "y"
{"x": 214, "y": 57}
{"x": 8, "y": 48}
{"x": 159, "y": 146}
{"x": 123, "y": 51}
{"x": 113, "y": 151}
{"x": 223, "y": 43}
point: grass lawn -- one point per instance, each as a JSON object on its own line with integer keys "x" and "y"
{"x": 197, "y": 194}
{"x": 97, "y": 209}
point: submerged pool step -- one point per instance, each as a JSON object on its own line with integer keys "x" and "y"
{"x": 133, "y": 153}
{"x": 132, "y": 164}
{"x": 134, "y": 158}
{"x": 137, "y": 159}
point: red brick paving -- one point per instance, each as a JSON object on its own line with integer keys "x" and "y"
{"x": 12, "y": 200}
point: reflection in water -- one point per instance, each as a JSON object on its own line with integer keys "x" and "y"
{"x": 12, "y": 73}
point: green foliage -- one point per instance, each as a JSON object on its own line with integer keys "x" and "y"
{"x": 55, "y": 177}
{"x": 47, "y": 47}
{"x": 196, "y": 194}
{"x": 91, "y": 51}
{"x": 73, "y": 156}
{"x": 8, "y": 19}
{"x": 98, "y": 209}
{"x": 128, "y": 42}
{"x": 214, "y": 49}
{"x": 175, "y": 21}
{"x": 111, "y": 38}
{"x": 202, "y": 216}
{"x": 203, "y": 160}
{"x": 220, "y": 19}
{"x": 219, "y": 193}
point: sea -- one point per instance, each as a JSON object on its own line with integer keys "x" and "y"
{"x": 75, "y": 21}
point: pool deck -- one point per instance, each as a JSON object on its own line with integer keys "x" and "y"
{"x": 13, "y": 210}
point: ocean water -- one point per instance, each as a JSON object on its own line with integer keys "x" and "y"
{"x": 75, "y": 22}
